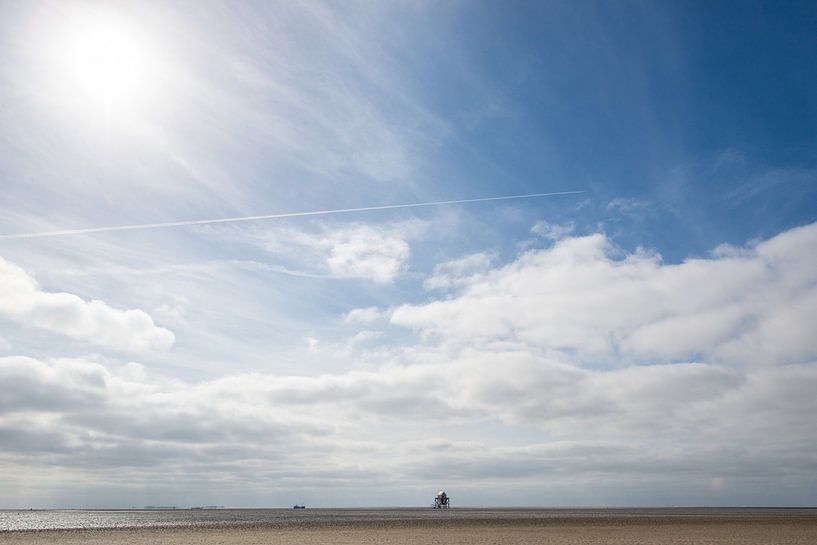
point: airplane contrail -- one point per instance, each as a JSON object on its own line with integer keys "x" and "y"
{"x": 137, "y": 226}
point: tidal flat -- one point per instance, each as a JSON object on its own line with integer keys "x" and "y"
{"x": 676, "y": 526}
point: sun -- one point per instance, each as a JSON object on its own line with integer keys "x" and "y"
{"x": 107, "y": 62}
{"x": 102, "y": 62}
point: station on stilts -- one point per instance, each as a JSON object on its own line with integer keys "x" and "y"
{"x": 441, "y": 500}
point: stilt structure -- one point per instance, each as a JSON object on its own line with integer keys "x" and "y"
{"x": 441, "y": 500}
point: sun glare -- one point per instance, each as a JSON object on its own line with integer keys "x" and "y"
{"x": 102, "y": 63}
{"x": 107, "y": 63}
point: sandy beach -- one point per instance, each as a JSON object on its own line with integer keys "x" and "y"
{"x": 790, "y": 529}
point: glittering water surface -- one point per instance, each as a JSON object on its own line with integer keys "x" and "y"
{"x": 153, "y": 518}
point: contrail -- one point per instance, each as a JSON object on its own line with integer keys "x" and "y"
{"x": 137, "y": 226}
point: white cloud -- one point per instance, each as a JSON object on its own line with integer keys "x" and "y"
{"x": 458, "y": 271}
{"x": 627, "y": 205}
{"x": 367, "y": 251}
{"x": 552, "y": 231}
{"x": 673, "y": 422}
{"x": 494, "y": 366}
{"x": 173, "y": 313}
{"x": 313, "y": 345}
{"x": 584, "y": 295}
{"x": 95, "y": 322}
{"x": 365, "y": 315}
{"x": 111, "y": 403}
{"x": 363, "y": 337}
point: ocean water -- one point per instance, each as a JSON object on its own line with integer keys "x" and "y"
{"x": 16, "y": 520}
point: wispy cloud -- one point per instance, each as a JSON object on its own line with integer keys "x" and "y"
{"x": 552, "y": 231}
{"x": 627, "y": 205}
{"x": 458, "y": 271}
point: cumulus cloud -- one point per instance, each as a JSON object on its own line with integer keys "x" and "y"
{"x": 95, "y": 322}
{"x": 375, "y": 252}
{"x": 587, "y": 297}
{"x": 366, "y": 252}
{"x": 672, "y": 423}
{"x": 563, "y": 347}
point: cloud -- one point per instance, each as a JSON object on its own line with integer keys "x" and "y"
{"x": 457, "y": 271}
{"x": 372, "y": 252}
{"x": 366, "y": 315}
{"x": 597, "y": 407}
{"x": 95, "y": 322}
{"x": 627, "y": 205}
{"x": 665, "y": 424}
{"x": 363, "y": 337}
{"x": 552, "y": 231}
{"x": 366, "y": 252}
{"x": 589, "y": 298}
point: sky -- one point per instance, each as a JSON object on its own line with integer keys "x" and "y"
{"x": 647, "y": 342}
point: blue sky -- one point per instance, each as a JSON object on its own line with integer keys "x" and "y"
{"x": 646, "y": 342}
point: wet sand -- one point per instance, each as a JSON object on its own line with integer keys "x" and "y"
{"x": 783, "y": 528}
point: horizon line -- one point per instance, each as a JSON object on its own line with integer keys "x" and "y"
{"x": 396, "y": 507}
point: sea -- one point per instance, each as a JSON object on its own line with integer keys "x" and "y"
{"x": 89, "y": 519}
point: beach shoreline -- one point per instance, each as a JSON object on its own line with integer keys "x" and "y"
{"x": 610, "y": 527}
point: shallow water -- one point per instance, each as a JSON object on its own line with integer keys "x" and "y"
{"x": 161, "y": 518}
